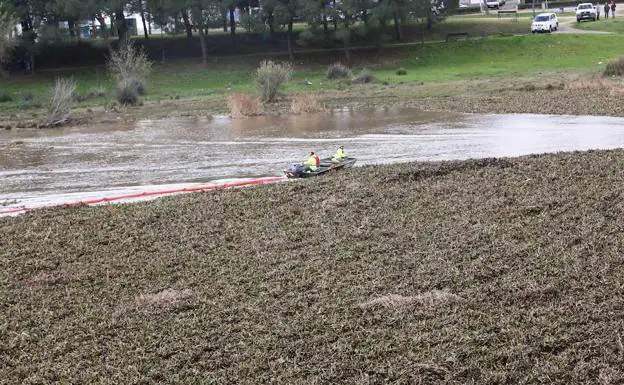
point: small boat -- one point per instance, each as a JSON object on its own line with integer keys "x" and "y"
{"x": 326, "y": 165}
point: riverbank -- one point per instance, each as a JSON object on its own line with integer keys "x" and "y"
{"x": 531, "y": 74}
{"x": 484, "y": 271}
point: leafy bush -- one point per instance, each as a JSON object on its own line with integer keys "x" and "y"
{"x": 615, "y": 67}
{"x": 27, "y": 97}
{"x": 253, "y": 23}
{"x": 364, "y": 77}
{"x": 51, "y": 34}
{"x": 127, "y": 93}
{"x": 61, "y": 102}
{"x": 271, "y": 77}
{"x": 338, "y": 71}
{"x": 5, "y": 97}
{"x": 401, "y": 71}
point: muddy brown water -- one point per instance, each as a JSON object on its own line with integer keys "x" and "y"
{"x": 75, "y": 163}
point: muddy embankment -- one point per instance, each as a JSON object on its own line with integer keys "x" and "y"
{"x": 485, "y": 271}
{"x": 553, "y": 93}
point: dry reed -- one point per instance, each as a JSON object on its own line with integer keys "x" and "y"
{"x": 243, "y": 105}
{"x": 305, "y": 104}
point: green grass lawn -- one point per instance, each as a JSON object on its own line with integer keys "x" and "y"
{"x": 433, "y": 62}
{"x": 609, "y": 25}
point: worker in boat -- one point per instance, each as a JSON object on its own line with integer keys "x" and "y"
{"x": 312, "y": 162}
{"x": 339, "y": 156}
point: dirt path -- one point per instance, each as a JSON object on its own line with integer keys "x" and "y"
{"x": 566, "y": 25}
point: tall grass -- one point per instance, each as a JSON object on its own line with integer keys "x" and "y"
{"x": 271, "y": 77}
{"x": 61, "y": 102}
{"x": 304, "y": 104}
{"x": 243, "y": 105}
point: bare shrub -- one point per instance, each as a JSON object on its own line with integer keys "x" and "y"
{"x": 130, "y": 66}
{"x": 271, "y": 77}
{"x": 364, "y": 77}
{"x": 430, "y": 299}
{"x": 304, "y": 104}
{"x": 338, "y": 71}
{"x": 615, "y": 67}
{"x": 129, "y": 62}
{"x": 243, "y": 105}
{"x": 61, "y": 102}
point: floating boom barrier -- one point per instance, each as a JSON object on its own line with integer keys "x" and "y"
{"x": 148, "y": 194}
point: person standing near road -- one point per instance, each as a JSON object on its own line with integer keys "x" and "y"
{"x": 598, "y": 10}
{"x": 606, "y": 9}
{"x": 613, "y": 9}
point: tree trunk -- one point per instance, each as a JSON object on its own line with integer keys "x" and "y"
{"x": 232, "y": 23}
{"x": 71, "y": 24}
{"x": 143, "y": 20}
{"x": 291, "y": 52}
{"x": 103, "y": 27}
{"x": 270, "y": 21}
{"x": 187, "y": 24}
{"x": 397, "y": 26}
{"x": 335, "y": 16}
{"x": 325, "y": 28}
{"x": 32, "y": 59}
{"x": 225, "y": 24}
{"x": 202, "y": 42}
{"x": 347, "y": 39}
{"x": 122, "y": 28}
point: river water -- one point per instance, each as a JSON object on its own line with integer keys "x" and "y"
{"x": 57, "y": 165}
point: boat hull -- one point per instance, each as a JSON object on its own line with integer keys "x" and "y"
{"x": 326, "y": 165}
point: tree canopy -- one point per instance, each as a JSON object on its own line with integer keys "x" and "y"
{"x": 340, "y": 20}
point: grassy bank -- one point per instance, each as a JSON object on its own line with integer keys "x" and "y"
{"x": 483, "y": 272}
{"x": 498, "y": 60}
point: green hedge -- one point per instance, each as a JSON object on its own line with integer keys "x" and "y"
{"x": 466, "y": 11}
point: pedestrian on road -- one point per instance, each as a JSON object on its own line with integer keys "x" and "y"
{"x": 606, "y": 9}
{"x": 613, "y": 8}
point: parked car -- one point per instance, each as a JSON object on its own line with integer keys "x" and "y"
{"x": 586, "y": 11}
{"x": 545, "y": 22}
{"x": 495, "y": 3}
